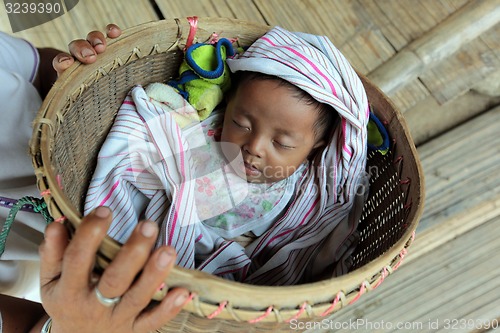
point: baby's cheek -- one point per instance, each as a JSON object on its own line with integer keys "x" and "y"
{"x": 276, "y": 172}
{"x": 226, "y": 135}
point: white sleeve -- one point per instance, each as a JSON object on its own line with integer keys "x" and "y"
{"x": 20, "y": 102}
{"x": 18, "y": 56}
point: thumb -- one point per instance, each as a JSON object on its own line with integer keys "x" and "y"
{"x": 62, "y": 62}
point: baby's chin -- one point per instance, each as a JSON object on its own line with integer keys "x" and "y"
{"x": 253, "y": 180}
{"x": 260, "y": 180}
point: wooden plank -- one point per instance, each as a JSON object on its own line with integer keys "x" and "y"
{"x": 427, "y": 119}
{"x": 490, "y": 86}
{"x": 86, "y": 16}
{"x": 408, "y": 20}
{"x": 452, "y": 282}
{"x": 245, "y": 10}
{"x": 366, "y": 50}
{"x": 397, "y": 19}
{"x": 344, "y": 22}
{"x": 239, "y": 9}
{"x": 461, "y": 168}
{"x": 382, "y": 21}
{"x": 410, "y": 95}
{"x": 432, "y": 238}
{"x": 458, "y": 73}
{"x": 439, "y": 43}
{"x": 299, "y": 16}
{"x": 185, "y": 8}
{"x": 437, "y": 286}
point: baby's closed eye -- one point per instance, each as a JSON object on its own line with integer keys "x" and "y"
{"x": 241, "y": 126}
{"x": 283, "y": 145}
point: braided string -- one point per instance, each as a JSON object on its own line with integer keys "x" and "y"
{"x": 39, "y": 206}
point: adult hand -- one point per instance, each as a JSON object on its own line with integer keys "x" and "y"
{"x": 85, "y": 50}
{"x": 69, "y": 296}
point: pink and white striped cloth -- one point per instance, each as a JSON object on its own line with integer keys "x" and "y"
{"x": 315, "y": 235}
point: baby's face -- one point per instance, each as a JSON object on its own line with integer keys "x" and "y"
{"x": 272, "y": 128}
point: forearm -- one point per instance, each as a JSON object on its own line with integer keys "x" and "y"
{"x": 20, "y": 315}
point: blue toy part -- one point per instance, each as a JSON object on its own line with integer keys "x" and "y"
{"x": 378, "y": 137}
{"x": 219, "y": 70}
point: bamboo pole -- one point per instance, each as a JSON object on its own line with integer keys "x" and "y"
{"x": 443, "y": 40}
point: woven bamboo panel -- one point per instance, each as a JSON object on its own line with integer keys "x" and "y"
{"x": 239, "y": 9}
{"x": 86, "y": 16}
{"x": 410, "y": 95}
{"x": 346, "y": 23}
{"x": 406, "y": 20}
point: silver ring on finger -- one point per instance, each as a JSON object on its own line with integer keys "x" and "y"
{"x": 107, "y": 302}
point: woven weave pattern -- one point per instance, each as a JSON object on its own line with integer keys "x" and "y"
{"x": 77, "y": 114}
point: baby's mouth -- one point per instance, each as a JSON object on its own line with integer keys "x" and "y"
{"x": 250, "y": 170}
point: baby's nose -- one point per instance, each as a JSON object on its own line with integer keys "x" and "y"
{"x": 255, "y": 146}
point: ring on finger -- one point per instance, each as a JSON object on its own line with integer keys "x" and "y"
{"x": 106, "y": 301}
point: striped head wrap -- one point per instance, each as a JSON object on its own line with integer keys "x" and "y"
{"x": 318, "y": 230}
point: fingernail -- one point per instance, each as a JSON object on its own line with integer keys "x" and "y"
{"x": 64, "y": 59}
{"x": 96, "y": 42}
{"x": 148, "y": 229}
{"x": 102, "y": 212}
{"x": 181, "y": 299}
{"x": 87, "y": 53}
{"x": 165, "y": 258}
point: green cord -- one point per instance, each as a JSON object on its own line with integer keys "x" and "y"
{"x": 39, "y": 206}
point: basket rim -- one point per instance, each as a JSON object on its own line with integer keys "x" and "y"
{"x": 303, "y": 301}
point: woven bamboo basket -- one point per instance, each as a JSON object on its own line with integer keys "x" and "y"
{"x": 79, "y": 111}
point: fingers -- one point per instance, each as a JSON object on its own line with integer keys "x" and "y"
{"x": 155, "y": 272}
{"x": 113, "y": 31}
{"x": 97, "y": 41}
{"x": 129, "y": 261}
{"x": 82, "y": 50}
{"x": 80, "y": 254}
{"x": 85, "y": 50}
{"x": 169, "y": 307}
{"x": 61, "y": 62}
{"x": 52, "y": 252}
